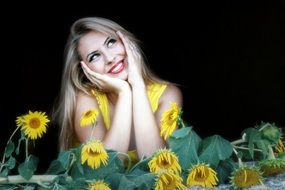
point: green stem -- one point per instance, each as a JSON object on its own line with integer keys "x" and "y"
{"x": 27, "y": 146}
{"x": 271, "y": 155}
{"x": 181, "y": 122}
{"x": 10, "y": 138}
{"x": 239, "y": 141}
{"x": 240, "y": 164}
{"x": 245, "y": 148}
{"x": 38, "y": 179}
{"x": 73, "y": 160}
{"x": 92, "y": 131}
{"x": 264, "y": 126}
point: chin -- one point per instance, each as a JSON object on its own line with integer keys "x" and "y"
{"x": 123, "y": 75}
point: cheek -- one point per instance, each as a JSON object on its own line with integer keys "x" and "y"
{"x": 97, "y": 67}
{"x": 120, "y": 49}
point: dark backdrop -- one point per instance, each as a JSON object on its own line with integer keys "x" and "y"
{"x": 227, "y": 56}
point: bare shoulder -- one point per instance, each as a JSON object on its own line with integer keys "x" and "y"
{"x": 172, "y": 93}
{"x": 85, "y": 100}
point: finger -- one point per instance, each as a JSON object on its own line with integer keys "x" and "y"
{"x": 128, "y": 46}
{"x": 86, "y": 69}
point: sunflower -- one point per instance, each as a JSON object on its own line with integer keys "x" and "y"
{"x": 164, "y": 159}
{"x": 202, "y": 175}
{"x": 168, "y": 181}
{"x": 246, "y": 176}
{"x": 89, "y": 117}
{"x": 98, "y": 185}
{"x": 20, "y": 121}
{"x": 272, "y": 167}
{"x": 280, "y": 147}
{"x": 169, "y": 120}
{"x": 34, "y": 124}
{"x": 94, "y": 153}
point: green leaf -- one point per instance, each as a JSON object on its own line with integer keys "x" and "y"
{"x": 114, "y": 179}
{"x": 27, "y": 168}
{"x": 185, "y": 142}
{"x": 76, "y": 184}
{"x": 64, "y": 158}
{"x": 263, "y": 146}
{"x": 77, "y": 169}
{"x": 29, "y": 188}
{"x": 11, "y": 162}
{"x": 252, "y": 136}
{"x": 270, "y": 132}
{"x": 55, "y": 168}
{"x": 119, "y": 181}
{"x": 143, "y": 181}
{"x": 215, "y": 148}
{"x": 183, "y": 132}
{"x": 59, "y": 187}
{"x": 224, "y": 170}
{"x": 142, "y": 165}
{"x": 4, "y": 172}
{"x": 9, "y": 149}
{"x": 7, "y": 187}
{"x": 19, "y": 143}
{"x": 126, "y": 184}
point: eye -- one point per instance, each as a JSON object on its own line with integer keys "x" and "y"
{"x": 111, "y": 42}
{"x": 94, "y": 57}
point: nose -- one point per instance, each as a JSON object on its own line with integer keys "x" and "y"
{"x": 109, "y": 58}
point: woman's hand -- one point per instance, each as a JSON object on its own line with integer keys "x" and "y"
{"x": 134, "y": 60}
{"x": 104, "y": 82}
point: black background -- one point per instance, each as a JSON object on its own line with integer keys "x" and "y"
{"x": 229, "y": 58}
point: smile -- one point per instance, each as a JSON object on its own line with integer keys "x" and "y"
{"x": 117, "y": 68}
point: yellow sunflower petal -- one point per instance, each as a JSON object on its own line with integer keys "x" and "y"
{"x": 89, "y": 117}
{"x": 33, "y": 124}
{"x": 202, "y": 175}
{"x": 169, "y": 120}
{"x": 98, "y": 185}
{"x": 94, "y": 153}
{"x": 167, "y": 180}
{"x": 164, "y": 160}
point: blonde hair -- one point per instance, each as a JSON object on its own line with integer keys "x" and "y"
{"x": 73, "y": 78}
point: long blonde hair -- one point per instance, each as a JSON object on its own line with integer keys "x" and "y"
{"x": 73, "y": 78}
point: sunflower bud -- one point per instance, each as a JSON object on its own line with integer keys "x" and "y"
{"x": 270, "y": 132}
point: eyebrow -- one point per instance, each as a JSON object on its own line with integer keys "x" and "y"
{"x": 105, "y": 42}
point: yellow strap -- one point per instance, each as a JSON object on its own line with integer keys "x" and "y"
{"x": 154, "y": 91}
{"x": 103, "y": 106}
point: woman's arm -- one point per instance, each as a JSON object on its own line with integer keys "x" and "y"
{"x": 146, "y": 123}
{"x": 147, "y": 133}
{"x": 118, "y": 136}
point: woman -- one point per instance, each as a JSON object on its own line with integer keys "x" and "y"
{"x": 104, "y": 69}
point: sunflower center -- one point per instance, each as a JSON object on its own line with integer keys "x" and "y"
{"x": 201, "y": 174}
{"x": 170, "y": 183}
{"x": 88, "y": 114}
{"x": 164, "y": 163}
{"x": 93, "y": 153}
{"x": 247, "y": 178}
{"x": 34, "y": 123}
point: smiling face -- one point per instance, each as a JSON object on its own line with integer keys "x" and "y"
{"x": 104, "y": 54}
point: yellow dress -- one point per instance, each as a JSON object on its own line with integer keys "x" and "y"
{"x": 154, "y": 92}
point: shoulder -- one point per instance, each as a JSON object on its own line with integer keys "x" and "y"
{"x": 83, "y": 98}
{"x": 172, "y": 93}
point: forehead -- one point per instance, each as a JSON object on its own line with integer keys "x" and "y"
{"x": 92, "y": 39}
